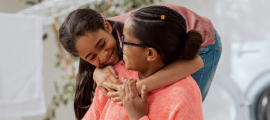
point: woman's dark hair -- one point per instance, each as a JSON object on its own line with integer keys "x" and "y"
{"x": 168, "y": 36}
{"x": 78, "y": 23}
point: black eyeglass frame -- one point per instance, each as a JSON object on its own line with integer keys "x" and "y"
{"x": 128, "y": 43}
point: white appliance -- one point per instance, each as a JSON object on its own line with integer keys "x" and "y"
{"x": 245, "y": 93}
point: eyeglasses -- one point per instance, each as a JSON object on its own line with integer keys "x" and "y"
{"x": 128, "y": 43}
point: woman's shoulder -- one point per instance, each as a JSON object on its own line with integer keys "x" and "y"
{"x": 180, "y": 100}
{"x": 185, "y": 88}
{"x": 188, "y": 84}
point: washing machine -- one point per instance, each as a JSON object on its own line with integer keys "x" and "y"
{"x": 250, "y": 70}
{"x": 244, "y": 94}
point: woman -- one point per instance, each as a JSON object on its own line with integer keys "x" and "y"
{"x": 148, "y": 52}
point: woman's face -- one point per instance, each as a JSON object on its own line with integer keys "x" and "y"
{"x": 133, "y": 56}
{"x": 98, "y": 48}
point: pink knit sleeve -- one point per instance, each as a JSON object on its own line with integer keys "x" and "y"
{"x": 185, "y": 111}
{"x": 189, "y": 105}
{"x": 96, "y": 107}
{"x": 182, "y": 102}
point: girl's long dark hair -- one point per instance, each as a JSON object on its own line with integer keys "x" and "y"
{"x": 77, "y": 24}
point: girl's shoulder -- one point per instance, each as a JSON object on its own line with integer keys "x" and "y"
{"x": 185, "y": 89}
{"x": 181, "y": 100}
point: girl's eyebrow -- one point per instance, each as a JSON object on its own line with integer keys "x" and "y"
{"x": 95, "y": 47}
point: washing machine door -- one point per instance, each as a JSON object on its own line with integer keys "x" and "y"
{"x": 259, "y": 95}
{"x": 225, "y": 101}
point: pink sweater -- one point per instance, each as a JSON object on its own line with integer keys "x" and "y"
{"x": 179, "y": 101}
{"x": 193, "y": 20}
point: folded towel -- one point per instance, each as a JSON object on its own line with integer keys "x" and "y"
{"x": 21, "y": 50}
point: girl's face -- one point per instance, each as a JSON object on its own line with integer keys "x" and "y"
{"x": 98, "y": 48}
{"x": 133, "y": 56}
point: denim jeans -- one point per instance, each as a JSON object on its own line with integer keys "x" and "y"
{"x": 210, "y": 55}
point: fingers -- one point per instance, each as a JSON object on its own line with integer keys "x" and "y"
{"x": 107, "y": 74}
{"x": 111, "y": 85}
{"x": 126, "y": 87}
{"x": 119, "y": 103}
{"x": 105, "y": 87}
{"x": 113, "y": 94}
{"x": 112, "y": 78}
{"x": 113, "y": 71}
{"x": 109, "y": 89}
{"x": 103, "y": 90}
{"x": 144, "y": 94}
{"x": 116, "y": 99}
{"x": 123, "y": 79}
{"x": 132, "y": 88}
{"x": 122, "y": 93}
{"x": 128, "y": 90}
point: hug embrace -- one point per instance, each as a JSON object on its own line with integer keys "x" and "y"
{"x": 156, "y": 62}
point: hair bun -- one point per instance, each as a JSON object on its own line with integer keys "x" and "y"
{"x": 191, "y": 45}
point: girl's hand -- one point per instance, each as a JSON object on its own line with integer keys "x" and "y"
{"x": 114, "y": 95}
{"x": 135, "y": 106}
{"x": 107, "y": 74}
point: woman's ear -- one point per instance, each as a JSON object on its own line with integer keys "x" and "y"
{"x": 152, "y": 54}
{"x": 107, "y": 26}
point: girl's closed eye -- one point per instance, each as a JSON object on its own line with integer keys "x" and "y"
{"x": 93, "y": 57}
{"x": 103, "y": 44}
{"x": 100, "y": 46}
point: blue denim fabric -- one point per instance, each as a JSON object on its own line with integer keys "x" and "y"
{"x": 210, "y": 55}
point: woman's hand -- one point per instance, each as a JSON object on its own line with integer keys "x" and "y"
{"x": 135, "y": 106}
{"x": 108, "y": 75}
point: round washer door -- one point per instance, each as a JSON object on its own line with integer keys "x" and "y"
{"x": 259, "y": 94}
{"x": 262, "y": 105}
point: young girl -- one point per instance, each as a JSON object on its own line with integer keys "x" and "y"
{"x": 152, "y": 36}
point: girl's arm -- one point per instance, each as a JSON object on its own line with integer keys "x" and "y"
{"x": 171, "y": 73}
